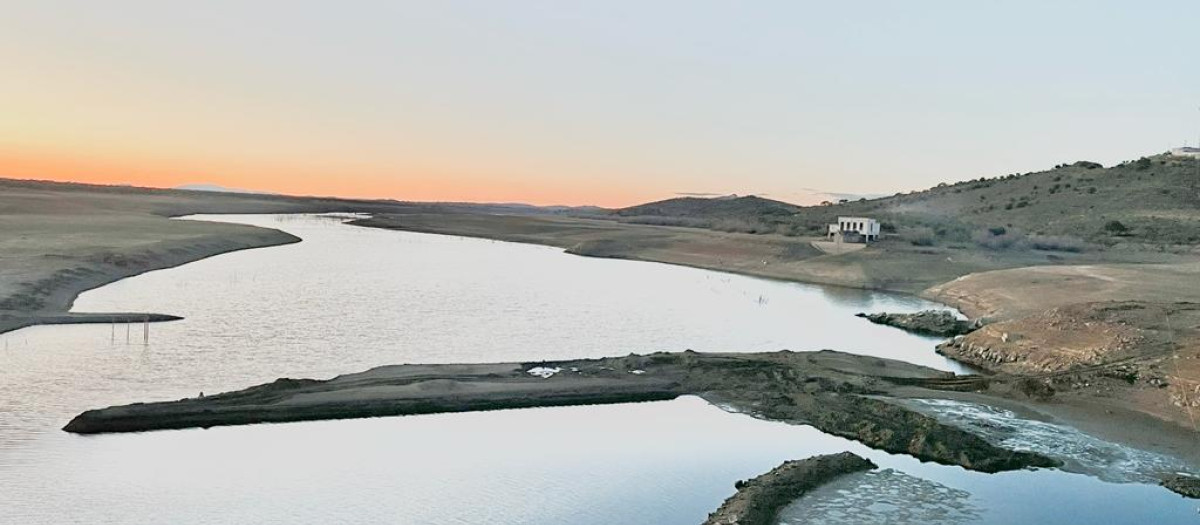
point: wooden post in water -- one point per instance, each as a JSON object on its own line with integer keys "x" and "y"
{"x": 146, "y": 331}
{"x": 127, "y": 332}
{"x": 112, "y": 330}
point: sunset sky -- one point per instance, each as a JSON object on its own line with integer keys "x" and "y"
{"x": 606, "y": 102}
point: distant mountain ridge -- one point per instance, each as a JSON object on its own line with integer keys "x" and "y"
{"x": 721, "y": 207}
{"x": 219, "y": 189}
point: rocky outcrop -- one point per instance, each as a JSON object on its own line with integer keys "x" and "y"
{"x": 1056, "y": 340}
{"x": 759, "y": 500}
{"x": 981, "y": 352}
{"x": 1131, "y": 354}
{"x": 938, "y": 323}
{"x": 1186, "y": 486}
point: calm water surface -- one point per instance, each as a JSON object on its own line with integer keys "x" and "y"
{"x": 349, "y": 298}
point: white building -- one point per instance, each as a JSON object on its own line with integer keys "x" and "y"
{"x": 1186, "y": 152}
{"x": 855, "y": 229}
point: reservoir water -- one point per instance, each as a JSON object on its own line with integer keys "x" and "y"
{"x": 350, "y": 298}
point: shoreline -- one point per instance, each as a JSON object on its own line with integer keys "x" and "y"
{"x": 87, "y": 318}
{"x": 62, "y": 239}
{"x": 931, "y": 290}
{"x": 60, "y": 291}
{"x": 600, "y": 249}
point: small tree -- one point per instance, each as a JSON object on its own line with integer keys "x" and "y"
{"x": 1116, "y": 228}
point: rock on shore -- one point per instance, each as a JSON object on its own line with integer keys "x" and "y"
{"x": 759, "y": 500}
{"x": 938, "y": 323}
{"x": 1186, "y": 486}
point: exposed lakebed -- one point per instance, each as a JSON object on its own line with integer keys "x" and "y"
{"x": 349, "y": 298}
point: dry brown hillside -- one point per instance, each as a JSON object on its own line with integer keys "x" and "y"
{"x": 1072, "y": 207}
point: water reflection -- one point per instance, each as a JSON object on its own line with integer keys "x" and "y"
{"x": 882, "y": 496}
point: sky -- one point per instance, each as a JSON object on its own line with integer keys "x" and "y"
{"x": 608, "y": 102}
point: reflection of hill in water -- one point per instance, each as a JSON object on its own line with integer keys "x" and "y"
{"x": 882, "y": 496}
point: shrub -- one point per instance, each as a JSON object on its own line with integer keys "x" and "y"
{"x": 739, "y": 226}
{"x": 661, "y": 220}
{"x": 952, "y": 232}
{"x": 792, "y": 230}
{"x": 1003, "y": 241}
{"x": 1057, "y": 243}
{"x": 997, "y": 230}
{"x": 1116, "y": 227}
{"x": 921, "y": 237}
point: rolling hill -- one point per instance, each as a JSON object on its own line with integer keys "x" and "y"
{"x": 1154, "y": 200}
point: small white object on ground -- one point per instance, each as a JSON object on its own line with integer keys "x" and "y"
{"x": 543, "y": 372}
{"x": 638, "y": 372}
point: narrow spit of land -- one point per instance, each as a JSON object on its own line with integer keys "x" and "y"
{"x": 841, "y": 394}
{"x": 759, "y": 500}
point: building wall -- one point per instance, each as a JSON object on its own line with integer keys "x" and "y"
{"x": 853, "y": 226}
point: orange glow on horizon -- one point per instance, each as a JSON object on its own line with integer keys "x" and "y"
{"x": 327, "y": 181}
